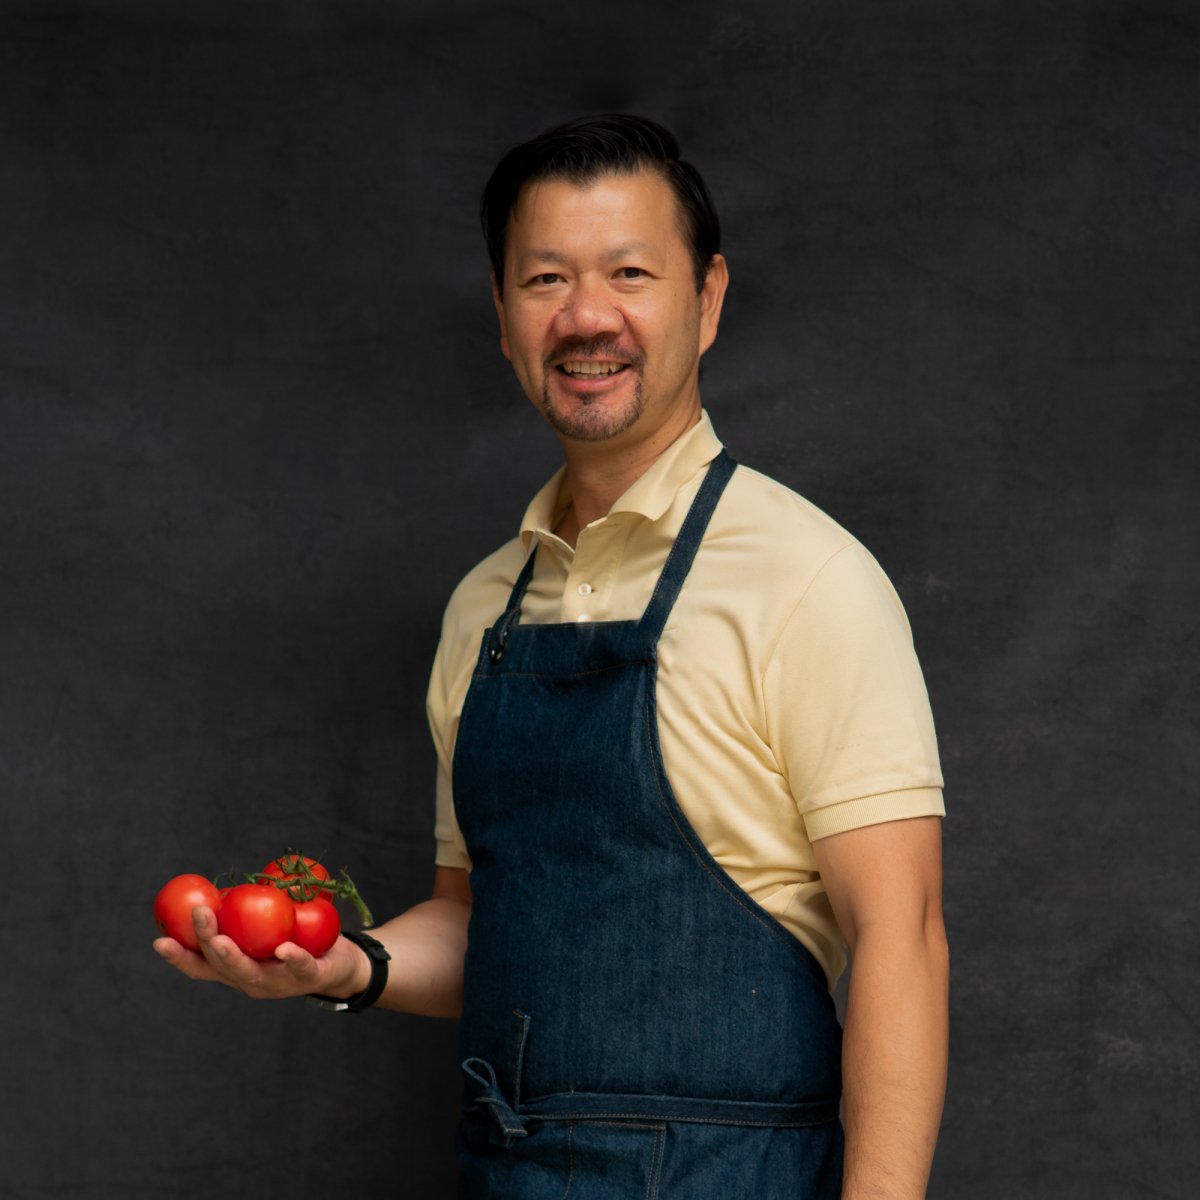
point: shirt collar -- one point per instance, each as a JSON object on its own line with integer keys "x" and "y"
{"x": 649, "y": 496}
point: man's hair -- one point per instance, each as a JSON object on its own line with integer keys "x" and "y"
{"x": 583, "y": 150}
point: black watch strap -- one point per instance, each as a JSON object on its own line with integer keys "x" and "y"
{"x": 379, "y": 975}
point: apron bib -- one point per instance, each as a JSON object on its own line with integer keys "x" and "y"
{"x": 634, "y": 1025}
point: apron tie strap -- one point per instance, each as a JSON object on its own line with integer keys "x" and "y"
{"x": 510, "y": 1127}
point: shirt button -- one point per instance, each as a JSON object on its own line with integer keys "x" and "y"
{"x": 585, "y": 589}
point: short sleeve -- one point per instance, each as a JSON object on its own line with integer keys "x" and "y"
{"x": 443, "y": 706}
{"x": 847, "y": 709}
{"x": 451, "y": 848}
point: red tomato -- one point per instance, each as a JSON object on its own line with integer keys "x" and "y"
{"x": 258, "y": 916}
{"x": 174, "y": 903}
{"x": 287, "y": 866}
{"x": 317, "y": 926}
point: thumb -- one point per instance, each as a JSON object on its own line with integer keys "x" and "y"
{"x": 300, "y": 964}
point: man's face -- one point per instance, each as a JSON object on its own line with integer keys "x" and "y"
{"x": 599, "y": 313}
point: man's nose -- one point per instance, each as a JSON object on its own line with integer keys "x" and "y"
{"x": 588, "y": 311}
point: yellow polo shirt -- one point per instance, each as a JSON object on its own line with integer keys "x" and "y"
{"x": 790, "y": 702}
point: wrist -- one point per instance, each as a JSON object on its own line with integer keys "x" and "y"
{"x": 368, "y": 980}
{"x": 360, "y": 972}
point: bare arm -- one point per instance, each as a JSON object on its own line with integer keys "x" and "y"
{"x": 885, "y": 884}
{"x": 427, "y": 944}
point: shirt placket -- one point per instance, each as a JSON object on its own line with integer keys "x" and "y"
{"x": 591, "y": 574}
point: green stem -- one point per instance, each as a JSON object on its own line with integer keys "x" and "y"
{"x": 348, "y": 891}
{"x": 304, "y": 885}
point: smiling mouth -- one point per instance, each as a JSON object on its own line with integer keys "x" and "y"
{"x": 589, "y": 368}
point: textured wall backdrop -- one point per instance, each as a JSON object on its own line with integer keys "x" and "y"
{"x": 254, "y": 424}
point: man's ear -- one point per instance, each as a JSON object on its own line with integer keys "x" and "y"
{"x": 711, "y": 298}
{"x": 498, "y": 301}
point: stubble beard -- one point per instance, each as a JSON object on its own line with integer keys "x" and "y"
{"x": 593, "y": 419}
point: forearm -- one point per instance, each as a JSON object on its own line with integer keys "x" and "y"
{"x": 894, "y": 1061}
{"x": 427, "y": 944}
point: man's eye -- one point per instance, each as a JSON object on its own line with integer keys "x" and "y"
{"x": 546, "y": 278}
{"x": 630, "y": 273}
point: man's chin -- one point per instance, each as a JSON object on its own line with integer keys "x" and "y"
{"x": 591, "y": 421}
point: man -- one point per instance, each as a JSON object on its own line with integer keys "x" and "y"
{"x": 685, "y": 752}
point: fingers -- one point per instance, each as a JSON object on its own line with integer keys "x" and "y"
{"x": 193, "y": 965}
{"x": 262, "y": 979}
{"x": 205, "y": 922}
{"x": 292, "y": 972}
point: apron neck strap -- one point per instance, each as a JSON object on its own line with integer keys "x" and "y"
{"x": 518, "y": 589}
{"x": 679, "y": 561}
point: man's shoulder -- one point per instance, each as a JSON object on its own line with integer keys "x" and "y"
{"x": 483, "y": 591}
{"x": 765, "y": 515}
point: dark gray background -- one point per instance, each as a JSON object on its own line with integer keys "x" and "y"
{"x": 254, "y": 424}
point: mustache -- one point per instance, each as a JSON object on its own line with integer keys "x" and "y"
{"x": 596, "y": 348}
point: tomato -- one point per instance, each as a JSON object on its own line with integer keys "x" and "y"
{"x": 288, "y": 866}
{"x": 317, "y": 926}
{"x": 258, "y": 916}
{"x": 174, "y": 903}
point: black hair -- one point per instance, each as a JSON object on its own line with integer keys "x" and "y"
{"x": 583, "y": 150}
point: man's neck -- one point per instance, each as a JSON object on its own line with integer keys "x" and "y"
{"x": 598, "y": 474}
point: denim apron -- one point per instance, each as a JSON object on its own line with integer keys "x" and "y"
{"x": 634, "y": 1025}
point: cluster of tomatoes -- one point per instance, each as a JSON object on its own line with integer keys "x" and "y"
{"x": 289, "y": 900}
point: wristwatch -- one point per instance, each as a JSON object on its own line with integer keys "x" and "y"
{"x": 379, "y": 974}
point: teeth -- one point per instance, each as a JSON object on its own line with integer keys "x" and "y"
{"x": 592, "y": 368}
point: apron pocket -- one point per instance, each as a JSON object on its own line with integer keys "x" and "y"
{"x": 565, "y": 1160}
{"x": 613, "y": 1161}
